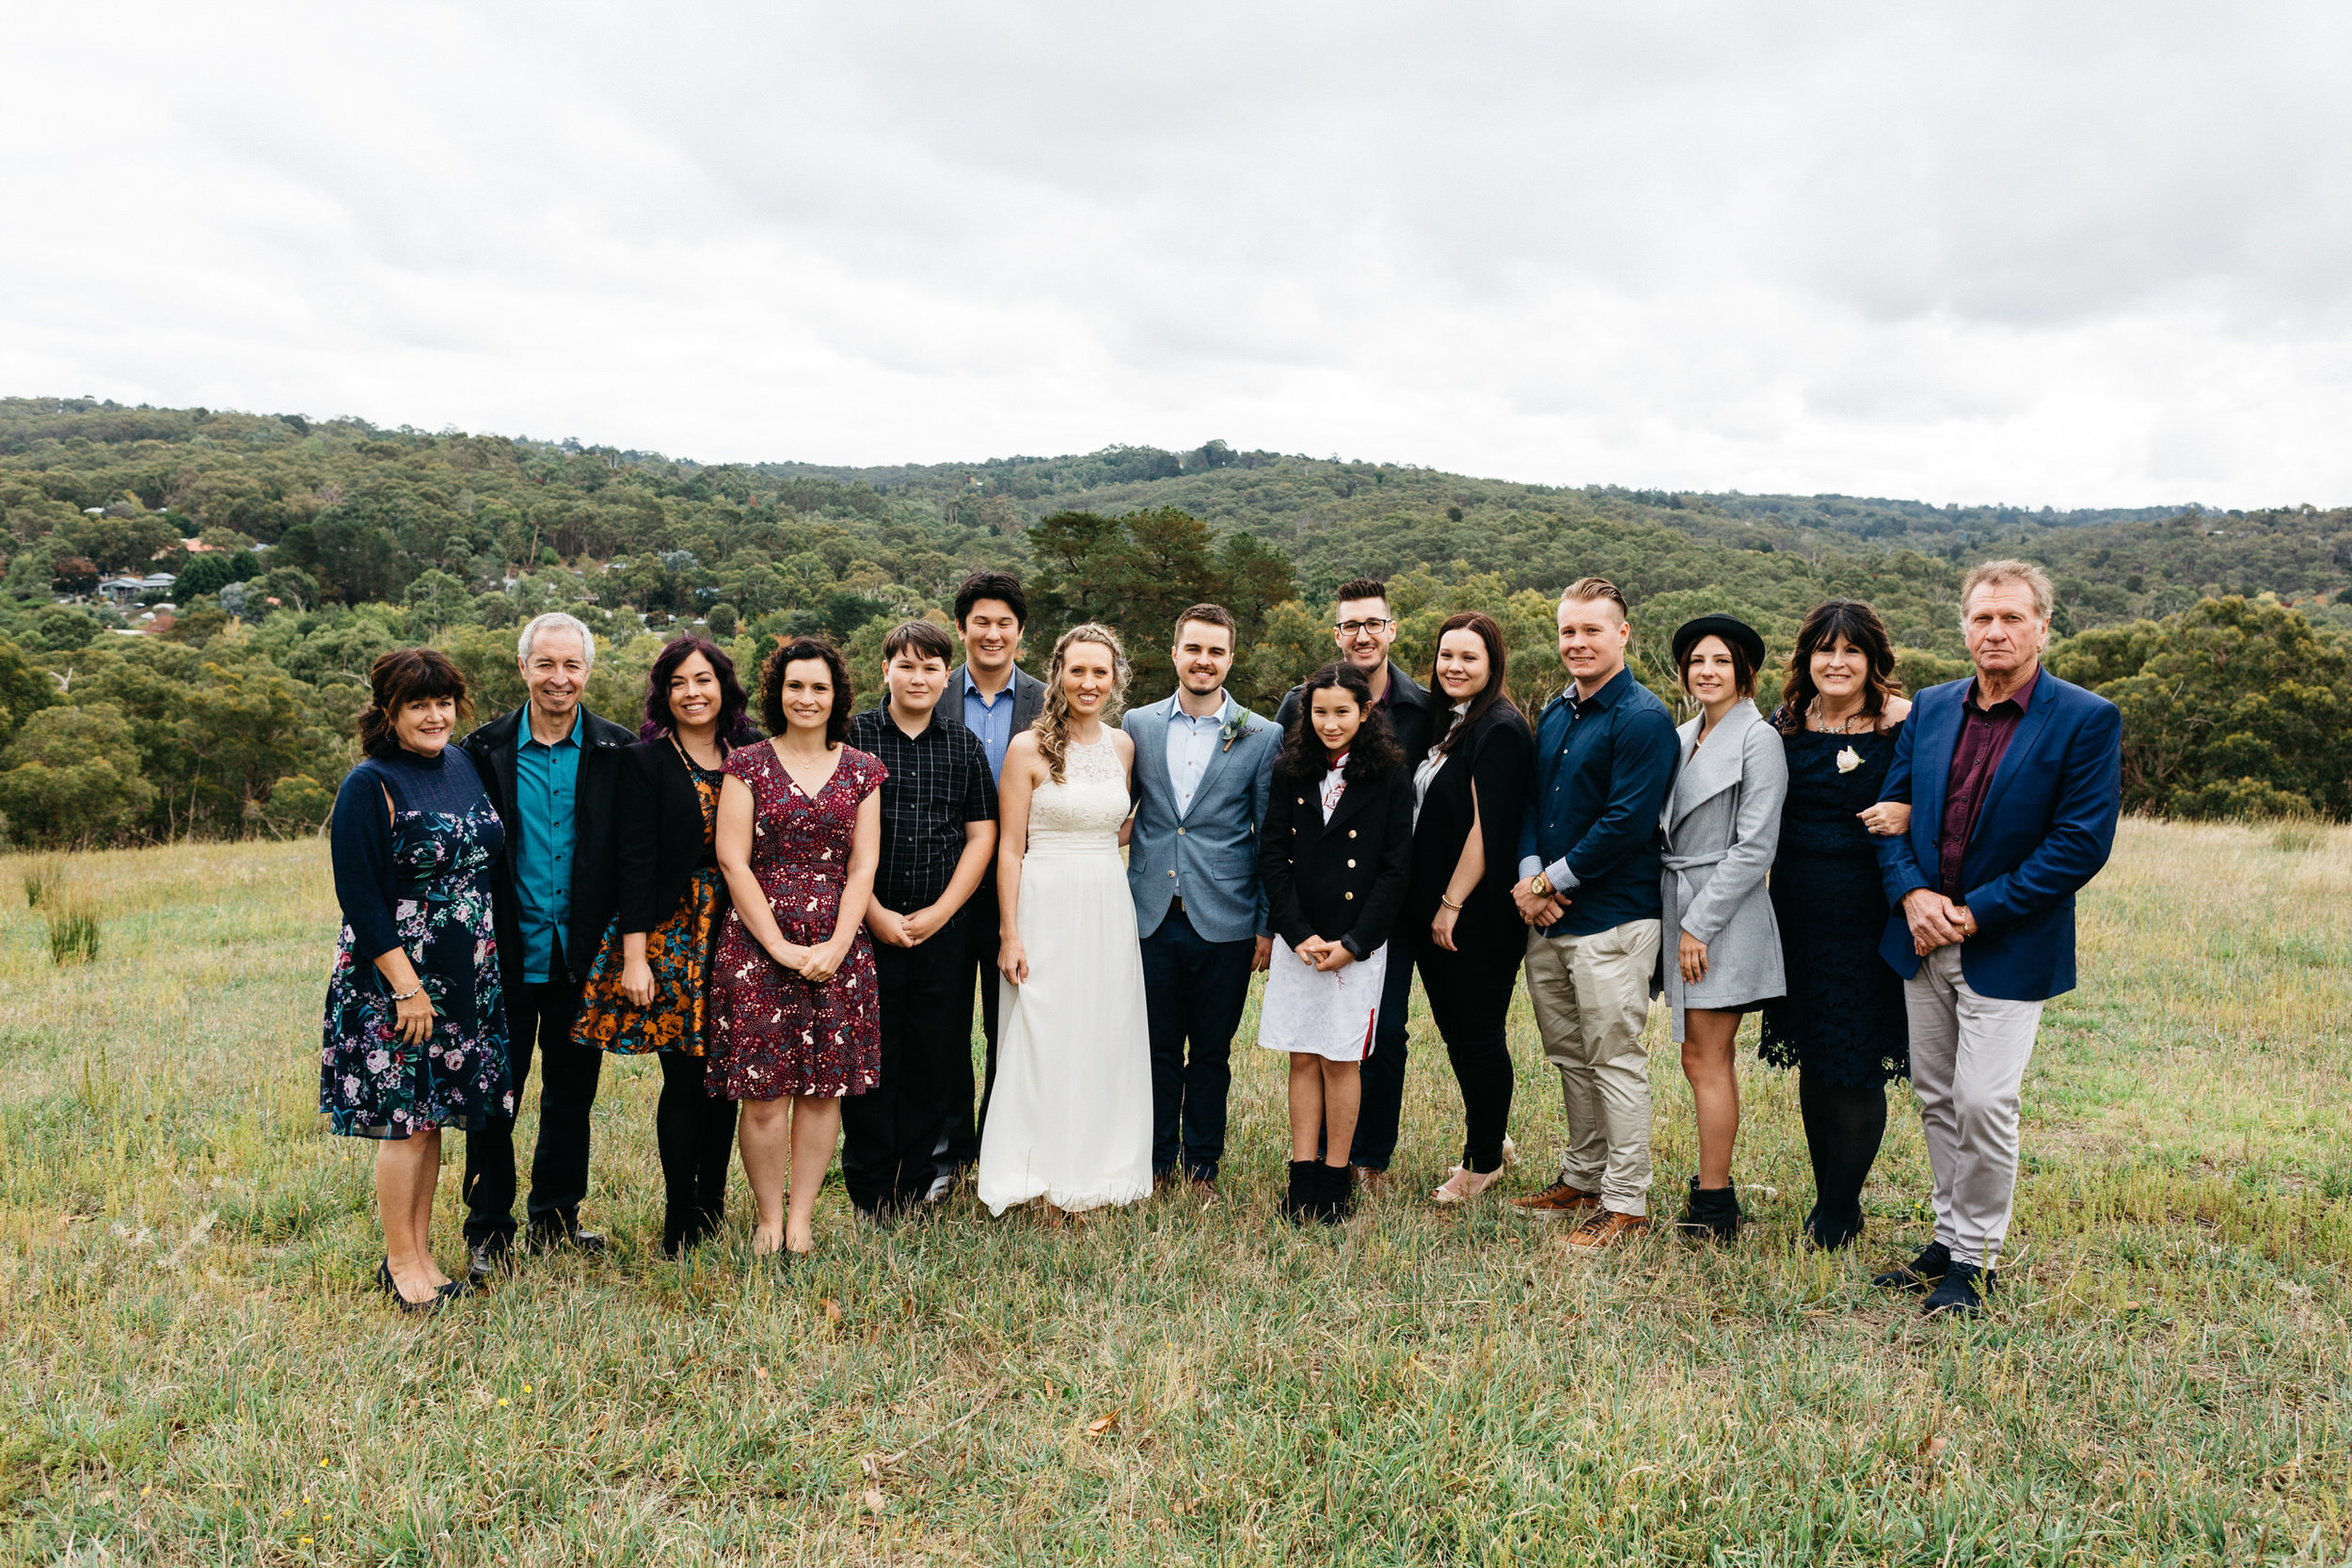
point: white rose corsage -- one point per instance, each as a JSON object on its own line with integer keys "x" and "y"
{"x": 1848, "y": 760}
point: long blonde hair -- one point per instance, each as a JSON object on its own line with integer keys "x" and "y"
{"x": 1052, "y": 728}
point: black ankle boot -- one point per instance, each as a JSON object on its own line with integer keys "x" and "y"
{"x": 1337, "y": 1194}
{"x": 1303, "y": 1197}
{"x": 1713, "y": 1215}
{"x": 1830, "y": 1233}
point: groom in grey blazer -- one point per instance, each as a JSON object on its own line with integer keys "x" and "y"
{"x": 1203, "y": 765}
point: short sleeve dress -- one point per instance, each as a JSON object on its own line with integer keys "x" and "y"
{"x": 772, "y": 1033}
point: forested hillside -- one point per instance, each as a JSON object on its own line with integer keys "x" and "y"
{"x": 302, "y": 549}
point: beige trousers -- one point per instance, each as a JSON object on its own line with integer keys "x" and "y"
{"x": 1592, "y": 997}
{"x": 1968, "y": 1056}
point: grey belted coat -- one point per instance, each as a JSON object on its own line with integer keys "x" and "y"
{"x": 1720, "y": 826}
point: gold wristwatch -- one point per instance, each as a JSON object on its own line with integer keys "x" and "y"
{"x": 1540, "y": 885}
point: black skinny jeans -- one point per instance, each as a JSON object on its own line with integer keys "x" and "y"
{"x": 696, "y": 1136}
{"x": 1470, "y": 999}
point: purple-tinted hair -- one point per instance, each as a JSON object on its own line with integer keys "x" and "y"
{"x": 735, "y": 721}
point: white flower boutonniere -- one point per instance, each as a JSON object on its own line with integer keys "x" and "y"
{"x": 1235, "y": 727}
{"x": 1848, "y": 760}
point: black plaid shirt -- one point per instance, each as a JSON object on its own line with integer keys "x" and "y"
{"x": 939, "y": 781}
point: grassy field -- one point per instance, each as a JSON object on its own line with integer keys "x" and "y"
{"x": 196, "y": 1370}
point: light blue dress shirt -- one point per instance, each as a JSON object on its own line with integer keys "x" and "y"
{"x": 546, "y": 781}
{"x": 1191, "y": 742}
{"x": 991, "y": 720}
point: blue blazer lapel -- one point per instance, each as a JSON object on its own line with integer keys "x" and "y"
{"x": 2021, "y": 741}
{"x": 1217, "y": 754}
{"x": 1931, "y": 772}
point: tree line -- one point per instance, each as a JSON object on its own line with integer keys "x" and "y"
{"x": 303, "y": 549}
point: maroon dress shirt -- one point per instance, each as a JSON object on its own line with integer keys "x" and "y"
{"x": 1984, "y": 736}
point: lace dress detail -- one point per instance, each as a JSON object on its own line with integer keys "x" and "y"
{"x": 1090, "y": 801}
{"x": 1842, "y": 1018}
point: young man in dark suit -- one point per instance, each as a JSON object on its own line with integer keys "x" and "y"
{"x": 551, "y": 765}
{"x": 1363, "y": 623}
{"x": 2014, "y": 779}
{"x": 996, "y": 699}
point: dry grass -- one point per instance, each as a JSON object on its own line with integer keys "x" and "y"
{"x": 196, "y": 1372}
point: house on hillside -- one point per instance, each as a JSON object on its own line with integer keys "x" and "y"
{"x": 126, "y": 589}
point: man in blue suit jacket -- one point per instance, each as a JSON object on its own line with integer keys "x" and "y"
{"x": 2014, "y": 779}
{"x": 1203, "y": 764}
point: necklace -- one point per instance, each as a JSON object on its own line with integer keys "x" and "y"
{"x": 1843, "y": 726}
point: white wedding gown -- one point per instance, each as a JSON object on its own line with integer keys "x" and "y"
{"x": 1071, "y": 1117}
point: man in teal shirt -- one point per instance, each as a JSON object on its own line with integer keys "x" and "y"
{"x": 550, "y": 767}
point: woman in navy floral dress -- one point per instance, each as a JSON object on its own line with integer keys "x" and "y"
{"x": 415, "y": 1033}
{"x": 795, "y": 1023}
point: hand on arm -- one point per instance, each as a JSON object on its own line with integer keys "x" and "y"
{"x": 1935, "y": 921}
{"x": 636, "y": 975}
{"x": 979, "y": 848}
{"x": 412, "y": 1020}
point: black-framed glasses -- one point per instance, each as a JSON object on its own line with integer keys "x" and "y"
{"x": 1357, "y": 629}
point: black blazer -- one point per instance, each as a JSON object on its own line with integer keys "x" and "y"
{"x": 659, "y": 833}
{"x": 1414, "y": 714}
{"x": 1344, "y": 878}
{"x": 1496, "y": 755}
{"x": 594, "y": 884}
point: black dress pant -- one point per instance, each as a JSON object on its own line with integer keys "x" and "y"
{"x": 1382, "y": 1076}
{"x": 695, "y": 1134}
{"x": 538, "y": 1018}
{"x": 891, "y": 1135}
{"x": 1194, "y": 993}
{"x": 979, "y": 918}
{"x": 1469, "y": 1000}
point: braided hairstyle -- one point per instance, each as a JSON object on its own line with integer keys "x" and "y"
{"x": 1052, "y": 728}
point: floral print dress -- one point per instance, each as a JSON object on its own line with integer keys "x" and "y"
{"x": 677, "y": 951}
{"x": 772, "y": 1032}
{"x": 419, "y": 881}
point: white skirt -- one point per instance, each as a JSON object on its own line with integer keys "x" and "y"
{"x": 1329, "y": 1015}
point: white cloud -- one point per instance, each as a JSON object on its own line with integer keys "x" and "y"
{"x": 2081, "y": 254}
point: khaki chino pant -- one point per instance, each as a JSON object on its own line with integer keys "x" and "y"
{"x": 1592, "y": 997}
{"x": 1968, "y": 1055}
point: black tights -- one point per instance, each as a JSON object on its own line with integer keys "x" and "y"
{"x": 1843, "y": 1125}
{"x": 696, "y": 1136}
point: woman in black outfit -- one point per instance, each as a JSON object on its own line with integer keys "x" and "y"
{"x": 1457, "y": 910}
{"x": 648, "y": 989}
{"x": 1841, "y": 1025}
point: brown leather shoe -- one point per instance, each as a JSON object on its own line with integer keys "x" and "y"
{"x": 1555, "y": 1200}
{"x": 1605, "y": 1229}
{"x": 1372, "y": 1182}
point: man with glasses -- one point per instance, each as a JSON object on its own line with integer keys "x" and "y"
{"x": 1365, "y": 626}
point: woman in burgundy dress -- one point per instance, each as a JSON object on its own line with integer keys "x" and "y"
{"x": 794, "y": 1021}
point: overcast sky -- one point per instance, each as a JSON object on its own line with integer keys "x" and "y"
{"x": 2046, "y": 253}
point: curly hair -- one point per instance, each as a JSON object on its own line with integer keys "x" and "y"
{"x": 1052, "y": 728}
{"x": 1375, "y": 748}
{"x": 1825, "y": 626}
{"x": 402, "y": 676}
{"x": 734, "y": 718}
{"x": 772, "y": 684}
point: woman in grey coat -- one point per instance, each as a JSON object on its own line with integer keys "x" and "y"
{"x": 1721, "y": 826}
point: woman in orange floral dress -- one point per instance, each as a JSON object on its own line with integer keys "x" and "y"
{"x": 649, "y": 987}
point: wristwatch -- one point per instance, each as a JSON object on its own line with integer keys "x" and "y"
{"x": 1540, "y": 885}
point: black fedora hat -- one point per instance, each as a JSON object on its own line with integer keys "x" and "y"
{"x": 1734, "y": 632}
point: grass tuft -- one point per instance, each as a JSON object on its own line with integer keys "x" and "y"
{"x": 2298, "y": 838}
{"x": 73, "y": 927}
{"x": 40, "y": 875}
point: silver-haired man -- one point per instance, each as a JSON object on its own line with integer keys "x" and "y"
{"x": 550, "y": 767}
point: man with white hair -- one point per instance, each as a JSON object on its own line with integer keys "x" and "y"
{"x": 2014, "y": 779}
{"x": 550, "y": 767}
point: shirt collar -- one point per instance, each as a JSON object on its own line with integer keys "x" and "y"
{"x": 2023, "y": 696}
{"x": 1224, "y": 711}
{"x": 571, "y": 739}
{"x": 1611, "y": 690}
{"x": 972, "y": 692}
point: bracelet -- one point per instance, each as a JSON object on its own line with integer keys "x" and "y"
{"x": 409, "y": 995}
{"x": 1449, "y": 903}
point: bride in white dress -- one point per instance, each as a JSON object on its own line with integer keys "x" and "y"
{"x": 1070, "y": 1120}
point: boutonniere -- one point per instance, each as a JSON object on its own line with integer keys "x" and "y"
{"x": 1235, "y": 727}
{"x": 1848, "y": 760}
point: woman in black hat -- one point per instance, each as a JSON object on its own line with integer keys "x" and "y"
{"x": 1721, "y": 825}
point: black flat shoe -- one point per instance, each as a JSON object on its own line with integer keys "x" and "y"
{"x": 390, "y": 1287}
{"x": 1932, "y": 1263}
{"x": 456, "y": 1288}
{"x": 1963, "y": 1293}
{"x": 1829, "y": 1235}
{"x": 1298, "y": 1200}
{"x": 1336, "y": 1199}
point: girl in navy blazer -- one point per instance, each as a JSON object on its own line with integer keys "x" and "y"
{"x": 1338, "y": 838}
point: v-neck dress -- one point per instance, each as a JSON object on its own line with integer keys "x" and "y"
{"x": 772, "y": 1032}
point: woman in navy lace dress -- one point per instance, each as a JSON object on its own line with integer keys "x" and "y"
{"x": 415, "y": 1033}
{"x": 1841, "y": 1025}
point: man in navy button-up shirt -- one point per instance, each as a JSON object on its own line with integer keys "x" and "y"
{"x": 1605, "y": 753}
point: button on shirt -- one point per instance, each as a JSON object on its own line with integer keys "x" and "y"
{"x": 1984, "y": 736}
{"x": 992, "y": 720}
{"x": 546, "y": 781}
{"x": 1191, "y": 742}
{"x": 938, "y": 782}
